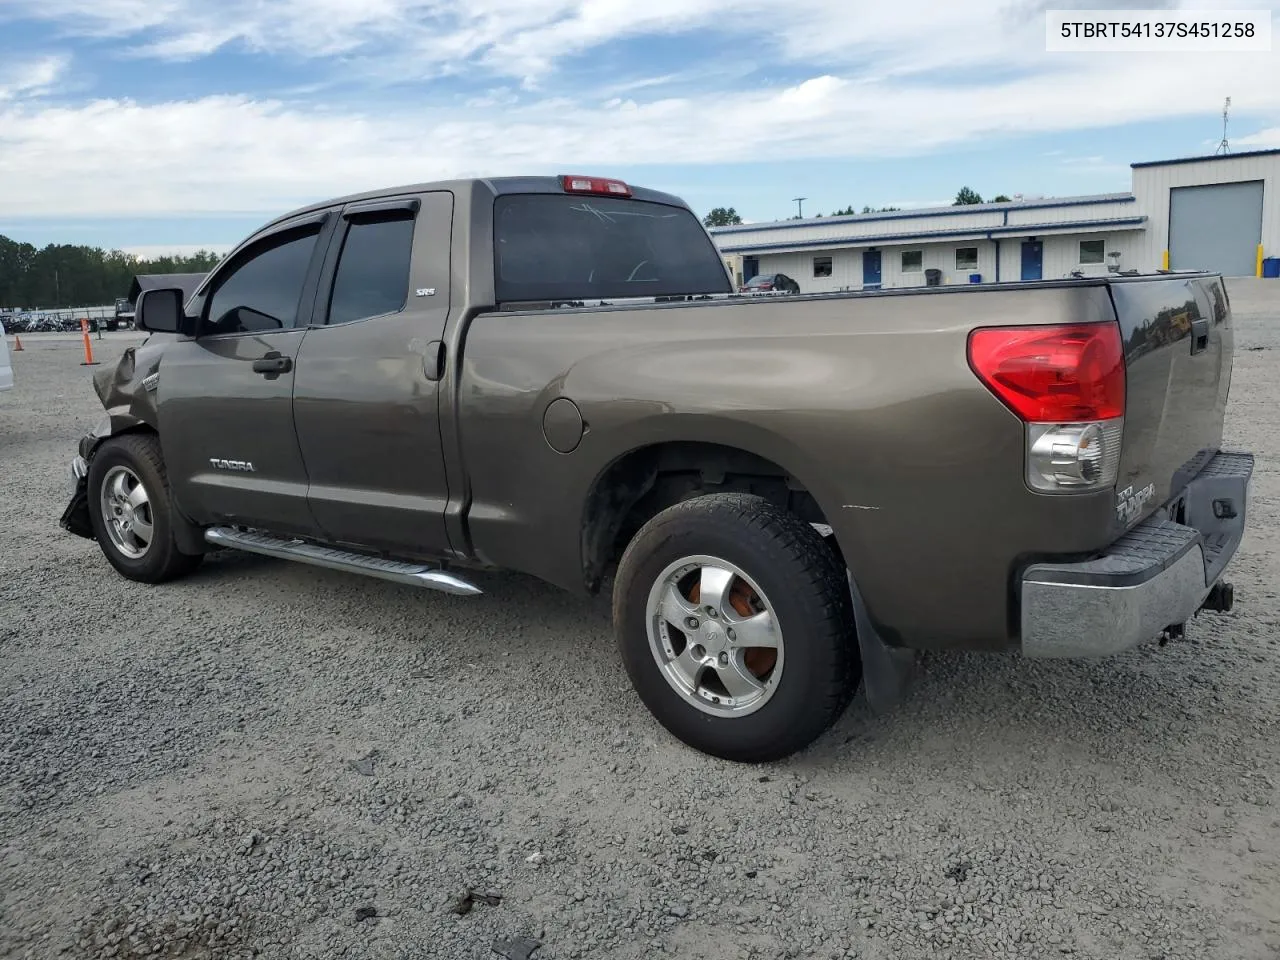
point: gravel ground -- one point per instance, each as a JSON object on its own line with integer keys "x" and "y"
{"x": 273, "y": 760}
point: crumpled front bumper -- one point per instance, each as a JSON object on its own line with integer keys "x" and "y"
{"x": 75, "y": 518}
{"x": 1158, "y": 575}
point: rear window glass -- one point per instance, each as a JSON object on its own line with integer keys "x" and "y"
{"x": 563, "y": 247}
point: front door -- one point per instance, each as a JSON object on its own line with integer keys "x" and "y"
{"x": 1032, "y": 259}
{"x": 225, "y": 397}
{"x": 750, "y": 267}
{"x": 366, "y": 396}
{"x": 871, "y": 269}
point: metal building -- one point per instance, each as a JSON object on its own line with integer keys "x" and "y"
{"x": 1218, "y": 213}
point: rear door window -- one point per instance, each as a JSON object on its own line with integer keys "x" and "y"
{"x": 562, "y": 247}
{"x": 372, "y": 278}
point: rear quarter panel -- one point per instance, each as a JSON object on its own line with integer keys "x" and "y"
{"x": 869, "y": 402}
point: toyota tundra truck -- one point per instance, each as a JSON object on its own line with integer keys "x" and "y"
{"x": 786, "y": 496}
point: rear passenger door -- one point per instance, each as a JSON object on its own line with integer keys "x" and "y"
{"x": 366, "y": 394}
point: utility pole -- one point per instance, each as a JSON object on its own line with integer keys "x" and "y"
{"x": 1223, "y": 147}
{"x": 799, "y": 201}
{"x": 57, "y": 288}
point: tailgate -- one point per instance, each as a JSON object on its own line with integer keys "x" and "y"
{"x": 1178, "y": 345}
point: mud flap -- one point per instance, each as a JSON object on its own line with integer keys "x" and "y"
{"x": 886, "y": 671}
{"x": 75, "y": 518}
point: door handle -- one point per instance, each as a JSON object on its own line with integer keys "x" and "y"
{"x": 1199, "y": 335}
{"x": 273, "y": 364}
{"x": 433, "y": 360}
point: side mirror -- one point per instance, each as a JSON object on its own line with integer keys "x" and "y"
{"x": 159, "y": 310}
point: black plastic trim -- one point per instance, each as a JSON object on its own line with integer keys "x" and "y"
{"x": 410, "y": 205}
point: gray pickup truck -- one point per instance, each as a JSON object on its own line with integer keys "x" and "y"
{"x": 789, "y": 495}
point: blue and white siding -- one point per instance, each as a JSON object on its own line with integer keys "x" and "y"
{"x": 995, "y": 230}
{"x": 1135, "y": 225}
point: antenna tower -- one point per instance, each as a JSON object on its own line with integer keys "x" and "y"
{"x": 1223, "y": 146}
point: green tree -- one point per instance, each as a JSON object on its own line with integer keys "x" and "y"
{"x": 722, "y": 217}
{"x": 1000, "y": 198}
{"x": 66, "y": 275}
{"x": 966, "y": 196}
{"x": 849, "y": 211}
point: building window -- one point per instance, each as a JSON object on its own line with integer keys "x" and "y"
{"x": 912, "y": 261}
{"x": 1092, "y": 251}
{"x": 966, "y": 258}
{"x": 822, "y": 266}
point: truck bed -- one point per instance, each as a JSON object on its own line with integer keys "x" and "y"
{"x": 864, "y": 399}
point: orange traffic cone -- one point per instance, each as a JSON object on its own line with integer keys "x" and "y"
{"x": 17, "y": 343}
{"x": 88, "y": 360}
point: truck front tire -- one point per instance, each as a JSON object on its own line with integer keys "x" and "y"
{"x": 131, "y": 511}
{"x": 735, "y": 624}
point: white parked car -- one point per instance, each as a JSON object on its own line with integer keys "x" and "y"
{"x": 6, "y": 368}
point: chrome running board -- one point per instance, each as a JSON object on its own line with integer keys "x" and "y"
{"x": 398, "y": 571}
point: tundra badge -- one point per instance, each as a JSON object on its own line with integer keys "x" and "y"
{"x": 1129, "y": 504}
{"x": 219, "y": 464}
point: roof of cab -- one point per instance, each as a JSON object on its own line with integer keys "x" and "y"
{"x": 498, "y": 186}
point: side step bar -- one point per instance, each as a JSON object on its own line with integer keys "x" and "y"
{"x": 413, "y": 574}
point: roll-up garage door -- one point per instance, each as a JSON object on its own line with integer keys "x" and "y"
{"x": 1216, "y": 227}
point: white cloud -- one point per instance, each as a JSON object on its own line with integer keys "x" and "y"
{"x": 29, "y": 78}
{"x": 235, "y": 153}
{"x": 1262, "y": 140}
{"x": 528, "y": 38}
{"x": 874, "y": 81}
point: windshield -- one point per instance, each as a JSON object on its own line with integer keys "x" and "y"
{"x": 563, "y": 247}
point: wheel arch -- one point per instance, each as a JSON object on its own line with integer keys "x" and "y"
{"x": 643, "y": 478}
{"x": 114, "y": 424}
{"x": 188, "y": 535}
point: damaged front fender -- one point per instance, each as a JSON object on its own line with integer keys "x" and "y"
{"x": 127, "y": 392}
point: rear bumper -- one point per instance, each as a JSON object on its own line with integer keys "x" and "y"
{"x": 1156, "y": 576}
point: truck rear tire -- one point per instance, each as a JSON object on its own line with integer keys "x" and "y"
{"x": 735, "y": 624}
{"x": 131, "y": 510}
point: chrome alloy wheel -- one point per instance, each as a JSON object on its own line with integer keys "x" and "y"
{"x": 714, "y": 636}
{"x": 126, "y": 512}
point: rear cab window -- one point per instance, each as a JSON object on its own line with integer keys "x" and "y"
{"x": 564, "y": 247}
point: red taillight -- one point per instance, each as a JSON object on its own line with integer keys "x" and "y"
{"x": 600, "y": 185}
{"x": 1071, "y": 373}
